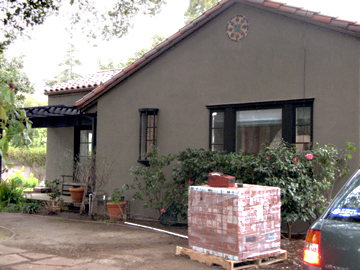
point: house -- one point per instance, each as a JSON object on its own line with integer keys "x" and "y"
{"x": 243, "y": 73}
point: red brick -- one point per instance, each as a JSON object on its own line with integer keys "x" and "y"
{"x": 231, "y": 222}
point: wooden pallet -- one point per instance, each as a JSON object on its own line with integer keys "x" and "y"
{"x": 229, "y": 264}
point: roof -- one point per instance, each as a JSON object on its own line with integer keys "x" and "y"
{"x": 45, "y": 111}
{"x": 89, "y": 81}
{"x": 348, "y": 27}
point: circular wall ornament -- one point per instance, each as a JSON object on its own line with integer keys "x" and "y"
{"x": 237, "y": 28}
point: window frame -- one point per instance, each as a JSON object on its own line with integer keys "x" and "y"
{"x": 77, "y": 142}
{"x": 288, "y": 118}
{"x": 143, "y": 146}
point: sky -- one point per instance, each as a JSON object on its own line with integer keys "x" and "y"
{"x": 49, "y": 42}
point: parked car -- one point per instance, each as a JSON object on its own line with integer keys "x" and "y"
{"x": 333, "y": 241}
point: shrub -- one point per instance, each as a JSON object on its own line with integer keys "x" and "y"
{"x": 20, "y": 180}
{"x": 306, "y": 179}
{"x": 10, "y": 193}
{"x": 152, "y": 188}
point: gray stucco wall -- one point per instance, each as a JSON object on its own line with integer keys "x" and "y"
{"x": 207, "y": 68}
{"x": 60, "y": 152}
{"x": 60, "y": 141}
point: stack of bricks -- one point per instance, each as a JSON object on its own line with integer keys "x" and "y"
{"x": 234, "y": 223}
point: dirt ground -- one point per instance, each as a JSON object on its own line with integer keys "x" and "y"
{"x": 70, "y": 235}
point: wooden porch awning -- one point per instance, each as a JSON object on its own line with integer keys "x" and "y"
{"x": 58, "y": 116}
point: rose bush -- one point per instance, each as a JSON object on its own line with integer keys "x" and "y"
{"x": 306, "y": 179}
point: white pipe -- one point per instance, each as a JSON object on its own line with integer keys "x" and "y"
{"x": 158, "y": 230}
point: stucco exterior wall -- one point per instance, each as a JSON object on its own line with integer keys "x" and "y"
{"x": 66, "y": 98}
{"x": 60, "y": 152}
{"x": 60, "y": 141}
{"x": 280, "y": 59}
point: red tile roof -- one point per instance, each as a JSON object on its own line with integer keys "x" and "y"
{"x": 89, "y": 81}
{"x": 349, "y": 27}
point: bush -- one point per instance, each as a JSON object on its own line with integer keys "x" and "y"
{"x": 28, "y": 156}
{"x": 20, "y": 180}
{"x": 152, "y": 188}
{"x": 10, "y": 193}
{"x": 306, "y": 179}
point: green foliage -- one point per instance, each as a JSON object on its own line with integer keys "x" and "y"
{"x": 10, "y": 193}
{"x": 92, "y": 17}
{"x": 197, "y": 7}
{"x": 117, "y": 195}
{"x": 13, "y": 121}
{"x": 30, "y": 207}
{"x": 306, "y": 179}
{"x": 150, "y": 183}
{"x": 18, "y": 15}
{"x": 20, "y": 180}
{"x": 55, "y": 186}
{"x": 28, "y": 156}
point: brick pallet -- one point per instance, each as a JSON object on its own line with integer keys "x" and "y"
{"x": 234, "y": 223}
{"x": 252, "y": 263}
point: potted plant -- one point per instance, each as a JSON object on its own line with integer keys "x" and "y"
{"x": 116, "y": 205}
{"x": 77, "y": 194}
{"x": 54, "y": 193}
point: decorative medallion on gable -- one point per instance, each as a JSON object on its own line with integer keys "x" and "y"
{"x": 237, "y": 28}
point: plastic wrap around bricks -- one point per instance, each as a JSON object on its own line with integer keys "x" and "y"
{"x": 234, "y": 223}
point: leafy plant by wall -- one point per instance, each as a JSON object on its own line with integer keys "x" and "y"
{"x": 10, "y": 192}
{"x": 306, "y": 179}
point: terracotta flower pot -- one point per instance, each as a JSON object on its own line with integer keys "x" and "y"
{"x": 77, "y": 194}
{"x": 116, "y": 210}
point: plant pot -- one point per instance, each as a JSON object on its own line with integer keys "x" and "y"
{"x": 77, "y": 194}
{"x": 116, "y": 210}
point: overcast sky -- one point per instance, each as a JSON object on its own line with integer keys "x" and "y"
{"x": 49, "y": 42}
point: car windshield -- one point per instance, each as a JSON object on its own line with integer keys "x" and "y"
{"x": 347, "y": 207}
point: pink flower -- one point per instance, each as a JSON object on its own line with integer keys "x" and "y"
{"x": 309, "y": 156}
{"x": 268, "y": 159}
{"x": 163, "y": 210}
{"x": 295, "y": 159}
{"x": 191, "y": 182}
{"x": 181, "y": 186}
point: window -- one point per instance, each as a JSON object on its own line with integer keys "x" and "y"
{"x": 247, "y": 127}
{"x": 84, "y": 143}
{"x": 217, "y": 131}
{"x": 347, "y": 202}
{"x": 303, "y": 128}
{"x": 148, "y": 132}
{"x": 256, "y": 127}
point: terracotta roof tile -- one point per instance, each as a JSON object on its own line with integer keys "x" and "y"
{"x": 272, "y": 4}
{"x": 88, "y": 81}
{"x": 351, "y": 27}
{"x": 322, "y": 18}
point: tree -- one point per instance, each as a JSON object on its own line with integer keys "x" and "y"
{"x": 196, "y": 8}
{"x": 13, "y": 121}
{"x": 12, "y": 74}
{"x": 110, "y": 65}
{"x": 68, "y": 73}
{"x": 110, "y": 18}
